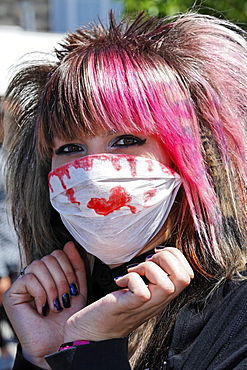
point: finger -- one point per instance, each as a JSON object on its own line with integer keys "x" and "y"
{"x": 57, "y": 263}
{"x": 144, "y": 303}
{"x": 65, "y": 265}
{"x": 176, "y": 266}
{"x": 40, "y": 270}
{"x": 78, "y": 267}
{"x": 160, "y": 285}
{"x": 28, "y": 291}
{"x": 136, "y": 292}
{"x": 179, "y": 255}
{"x": 67, "y": 281}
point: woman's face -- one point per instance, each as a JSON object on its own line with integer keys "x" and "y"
{"x": 111, "y": 142}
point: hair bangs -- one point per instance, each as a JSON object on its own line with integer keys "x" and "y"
{"x": 106, "y": 89}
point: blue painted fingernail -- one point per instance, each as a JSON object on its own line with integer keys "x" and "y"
{"x": 132, "y": 265}
{"x": 57, "y": 305}
{"x": 150, "y": 256}
{"x": 159, "y": 247}
{"x": 73, "y": 290}
{"x": 66, "y": 300}
{"x": 44, "y": 309}
{"x": 118, "y": 277}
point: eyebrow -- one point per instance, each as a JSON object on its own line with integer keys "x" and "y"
{"x": 109, "y": 133}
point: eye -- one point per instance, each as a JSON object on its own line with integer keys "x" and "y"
{"x": 127, "y": 140}
{"x": 69, "y": 148}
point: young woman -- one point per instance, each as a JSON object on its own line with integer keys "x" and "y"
{"x": 127, "y": 173}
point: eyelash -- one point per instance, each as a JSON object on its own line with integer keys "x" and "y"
{"x": 138, "y": 141}
{"x": 78, "y": 148}
{"x": 62, "y": 148}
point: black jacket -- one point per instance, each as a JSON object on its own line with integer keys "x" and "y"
{"x": 210, "y": 336}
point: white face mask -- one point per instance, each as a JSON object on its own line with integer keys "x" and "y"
{"x": 113, "y": 205}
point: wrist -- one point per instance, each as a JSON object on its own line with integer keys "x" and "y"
{"x": 37, "y": 361}
{"x": 72, "y": 334}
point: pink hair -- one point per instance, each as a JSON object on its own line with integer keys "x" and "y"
{"x": 174, "y": 81}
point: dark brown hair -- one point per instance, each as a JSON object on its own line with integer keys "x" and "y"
{"x": 183, "y": 79}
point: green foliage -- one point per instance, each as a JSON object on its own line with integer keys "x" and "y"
{"x": 233, "y": 10}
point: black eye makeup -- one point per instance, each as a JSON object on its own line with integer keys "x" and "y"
{"x": 127, "y": 141}
{"x": 69, "y": 148}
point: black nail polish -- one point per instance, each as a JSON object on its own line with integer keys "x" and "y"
{"x": 73, "y": 290}
{"x": 44, "y": 309}
{"x": 132, "y": 265}
{"x": 148, "y": 257}
{"x": 160, "y": 247}
{"x": 66, "y": 300}
{"x": 118, "y": 277}
{"x": 57, "y": 305}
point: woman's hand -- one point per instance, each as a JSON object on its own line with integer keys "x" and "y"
{"x": 40, "y": 302}
{"x": 120, "y": 312}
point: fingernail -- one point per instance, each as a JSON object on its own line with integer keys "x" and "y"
{"x": 150, "y": 256}
{"x": 57, "y": 305}
{"x": 66, "y": 300}
{"x": 146, "y": 281}
{"x": 159, "y": 247}
{"x": 73, "y": 290}
{"x": 44, "y": 309}
{"x": 132, "y": 265}
{"x": 118, "y": 277}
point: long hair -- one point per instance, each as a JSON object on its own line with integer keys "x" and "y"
{"x": 182, "y": 79}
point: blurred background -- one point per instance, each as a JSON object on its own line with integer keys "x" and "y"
{"x": 28, "y": 26}
{"x": 65, "y": 15}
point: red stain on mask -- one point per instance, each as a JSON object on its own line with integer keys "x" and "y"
{"x": 118, "y": 198}
{"x": 149, "y": 195}
{"x": 71, "y": 196}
